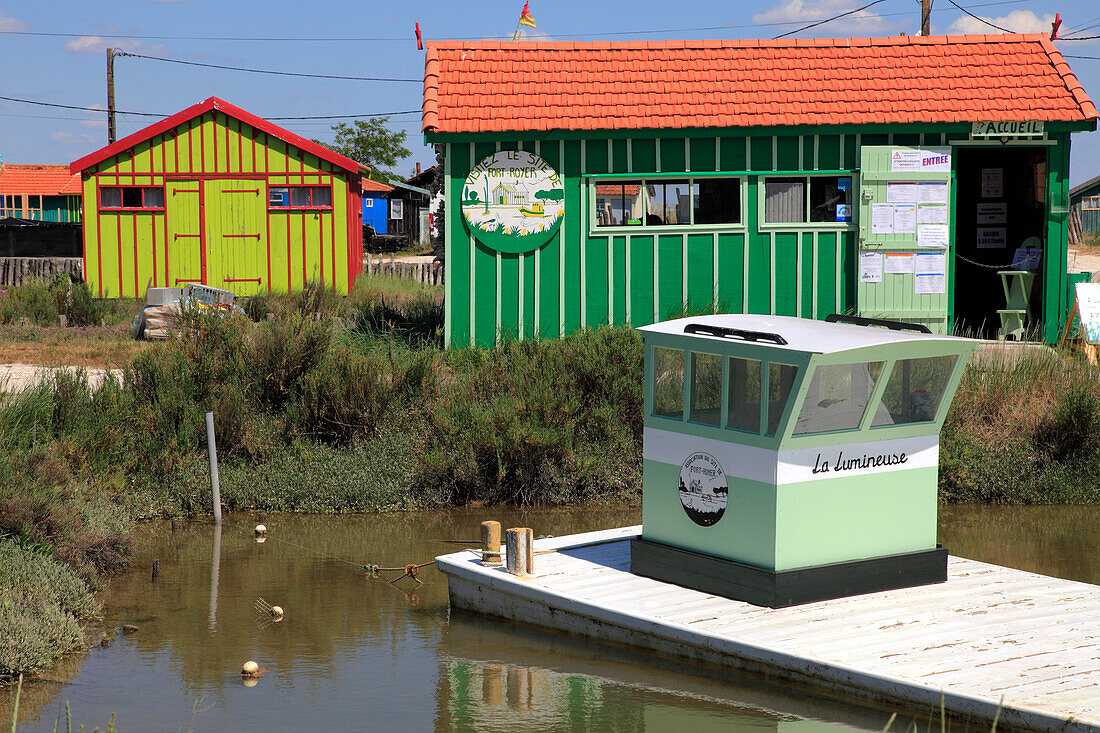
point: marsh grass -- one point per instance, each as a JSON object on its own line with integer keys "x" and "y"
{"x": 1024, "y": 428}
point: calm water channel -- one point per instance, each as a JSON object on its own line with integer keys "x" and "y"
{"x": 355, "y": 653}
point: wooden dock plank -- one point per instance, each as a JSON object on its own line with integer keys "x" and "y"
{"x": 987, "y": 632}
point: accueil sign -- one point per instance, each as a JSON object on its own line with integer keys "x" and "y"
{"x": 1033, "y": 128}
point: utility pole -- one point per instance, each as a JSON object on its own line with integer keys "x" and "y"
{"x": 110, "y": 95}
{"x": 925, "y": 17}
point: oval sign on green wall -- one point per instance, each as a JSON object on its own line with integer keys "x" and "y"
{"x": 513, "y": 201}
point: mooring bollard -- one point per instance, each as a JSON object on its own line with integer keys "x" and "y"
{"x": 490, "y": 543}
{"x": 519, "y": 542}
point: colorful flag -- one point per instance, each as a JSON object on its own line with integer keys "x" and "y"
{"x": 525, "y": 17}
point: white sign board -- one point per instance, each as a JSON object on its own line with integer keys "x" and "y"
{"x": 992, "y": 213}
{"x": 993, "y": 183}
{"x": 1088, "y": 309}
{"x": 1033, "y": 128}
{"x": 991, "y": 237}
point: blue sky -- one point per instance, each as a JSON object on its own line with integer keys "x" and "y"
{"x": 376, "y": 39}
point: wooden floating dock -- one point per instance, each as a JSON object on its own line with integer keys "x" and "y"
{"x": 990, "y": 638}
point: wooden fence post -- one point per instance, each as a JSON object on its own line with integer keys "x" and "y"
{"x": 490, "y": 543}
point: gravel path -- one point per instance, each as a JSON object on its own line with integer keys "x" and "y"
{"x": 18, "y": 377}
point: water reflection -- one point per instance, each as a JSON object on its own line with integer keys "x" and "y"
{"x": 359, "y": 652}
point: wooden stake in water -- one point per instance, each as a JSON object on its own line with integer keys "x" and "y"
{"x": 520, "y": 546}
{"x": 212, "y": 449}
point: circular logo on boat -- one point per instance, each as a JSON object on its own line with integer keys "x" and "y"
{"x": 703, "y": 489}
{"x": 513, "y": 201}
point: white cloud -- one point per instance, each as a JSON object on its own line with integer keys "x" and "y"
{"x": 72, "y": 138}
{"x": 11, "y": 24}
{"x": 864, "y": 22}
{"x": 1018, "y": 21}
{"x": 98, "y": 44}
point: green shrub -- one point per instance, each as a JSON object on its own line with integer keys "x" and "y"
{"x": 41, "y": 603}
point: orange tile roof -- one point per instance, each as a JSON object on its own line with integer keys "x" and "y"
{"x": 38, "y": 180}
{"x": 517, "y": 87}
{"x": 375, "y": 186}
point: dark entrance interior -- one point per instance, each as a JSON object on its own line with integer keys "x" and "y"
{"x": 1013, "y": 200}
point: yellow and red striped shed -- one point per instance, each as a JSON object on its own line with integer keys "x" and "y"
{"x": 219, "y": 196}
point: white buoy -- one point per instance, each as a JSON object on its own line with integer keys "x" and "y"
{"x": 277, "y": 613}
{"x": 250, "y": 669}
{"x": 261, "y": 530}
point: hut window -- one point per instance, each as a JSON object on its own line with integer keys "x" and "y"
{"x": 718, "y": 201}
{"x": 914, "y": 390}
{"x": 131, "y": 197}
{"x": 837, "y": 397}
{"x": 671, "y": 202}
{"x": 661, "y": 202}
{"x": 816, "y": 199}
{"x": 299, "y": 197}
{"x": 744, "y": 396}
{"x": 668, "y": 383}
{"x": 706, "y": 389}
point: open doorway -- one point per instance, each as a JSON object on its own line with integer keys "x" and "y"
{"x": 1000, "y": 204}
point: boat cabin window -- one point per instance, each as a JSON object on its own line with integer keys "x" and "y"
{"x": 837, "y": 397}
{"x": 780, "y": 382}
{"x": 706, "y": 389}
{"x": 744, "y": 395}
{"x": 914, "y": 391}
{"x": 668, "y": 382}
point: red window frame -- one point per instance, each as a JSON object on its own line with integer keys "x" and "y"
{"x": 143, "y": 207}
{"x": 290, "y": 197}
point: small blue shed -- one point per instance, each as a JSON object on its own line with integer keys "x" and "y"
{"x": 375, "y": 205}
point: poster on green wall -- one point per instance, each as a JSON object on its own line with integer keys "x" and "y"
{"x": 513, "y": 201}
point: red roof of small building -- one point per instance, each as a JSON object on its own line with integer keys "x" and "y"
{"x": 375, "y": 186}
{"x": 483, "y": 86}
{"x": 38, "y": 180}
{"x": 213, "y": 103}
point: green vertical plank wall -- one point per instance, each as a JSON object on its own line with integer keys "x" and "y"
{"x": 585, "y": 277}
{"x": 266, "y": 250}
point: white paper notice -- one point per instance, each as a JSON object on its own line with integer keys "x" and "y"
{"x": 870, "y": 267}
{"x": 899, "y": 263}
{"x": 932, "y": 235}
{"x": 882, "y": 218}
{"x": 905, "y": 160}
{"x": 932, "y": 193}
{"x": 993, "y": 183}
{"x": 931, "y": 264}
{"x": 991, "y": 237}
{"x": 930, "y": 284}
{"x": 901, "y": 193}
{"x": 992, "y": 213}
{"x": 905, "y": 218}
{"x": 932, "y": 214}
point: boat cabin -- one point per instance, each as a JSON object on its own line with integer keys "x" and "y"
{"x": 788, "y": 460}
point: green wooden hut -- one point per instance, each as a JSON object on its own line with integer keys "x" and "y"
{"x": 890, "y": 177}
{"x": 219, "y": 196}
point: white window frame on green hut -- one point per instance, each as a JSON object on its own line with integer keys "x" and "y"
{"x": 769, "y": 197}
{"x": 649, "y": 218}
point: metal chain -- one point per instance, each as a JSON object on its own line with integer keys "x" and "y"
{"x": 980, "y": 264}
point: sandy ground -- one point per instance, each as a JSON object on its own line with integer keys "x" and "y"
{"x": 18, "y": 377}
{"x": 1085, "y": 263}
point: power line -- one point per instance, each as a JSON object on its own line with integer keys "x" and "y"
{"x": 265, "y": 71}
{"x": 83, "y": 109}
{"x": 154, "y": 114}
{"x": 1087, "y": 58}
{"x": 409, "y": 38}
{"x": 983, "y": 20}
{"x": 828, "y": 20}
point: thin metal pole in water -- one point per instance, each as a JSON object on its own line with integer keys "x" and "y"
{"x": 215, "y": 486}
